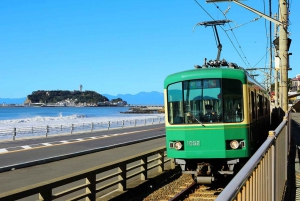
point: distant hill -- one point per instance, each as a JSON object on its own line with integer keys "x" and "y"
{"x": 12, "y": 100}
{"x": 142, "y": 98}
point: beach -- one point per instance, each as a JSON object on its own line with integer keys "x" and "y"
{"x": 36, "y": 119}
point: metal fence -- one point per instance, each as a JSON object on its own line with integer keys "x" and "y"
{"x": 47, "y": 130}
{"x": 98, "y": 181}
{"x": 264, "y": 176}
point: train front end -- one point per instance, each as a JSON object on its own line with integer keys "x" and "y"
{"x": 207, "y": 126}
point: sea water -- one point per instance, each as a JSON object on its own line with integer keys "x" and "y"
{"x": 34, "y": 117}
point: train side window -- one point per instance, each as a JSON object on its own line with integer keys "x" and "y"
{"x": 253, "y": 105}
{"x": 233, "y": 100}
{"x": 260, "y": 105}
{"x": 257, "y": 106}
{"x": 266, "y": 106}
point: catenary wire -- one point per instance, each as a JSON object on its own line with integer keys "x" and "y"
{"x": 235, "y": 37}
{"x": 223, "y": 30}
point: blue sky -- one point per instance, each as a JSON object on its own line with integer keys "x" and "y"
{"x": 125, "y": 47}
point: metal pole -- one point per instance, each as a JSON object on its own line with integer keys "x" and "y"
{"x": 276, "y": 87}
{"x": 276, "y": 66}
{"x": 47, "y": 130}
{"x": 15, "y": 134}
{"x": 283, "y": 52}
{"x": 72, "y": 127}
{"x": 271, "y": 55}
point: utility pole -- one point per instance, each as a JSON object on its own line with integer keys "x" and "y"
{"x": 276, "y": 66}
{"x": 271, "y": 50}
{"x": 283, "y": 52}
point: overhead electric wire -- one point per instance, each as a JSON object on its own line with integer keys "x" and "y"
{"x": 223, "y": 30}
{"x": 270, "y": 41}
{"x": 267, "y": 37}
{"x": 266, "y": 31}
{"x": 267, "y": 46}
{"x": 261, "y": 58}
{"x": 234, "y": 37}
{"x": 255, "y": 19}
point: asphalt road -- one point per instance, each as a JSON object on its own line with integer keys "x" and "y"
{"x": 26, "y": 150}
{"x": 20, "y": 178}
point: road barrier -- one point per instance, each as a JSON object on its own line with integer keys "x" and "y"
{"x": 47, "y": 130}
{"x": 97, "y": 181}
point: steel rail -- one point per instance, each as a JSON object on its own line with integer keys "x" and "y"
{"x": 182, "y": 194}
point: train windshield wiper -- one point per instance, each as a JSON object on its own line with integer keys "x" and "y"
{"x": 199, "y": 121}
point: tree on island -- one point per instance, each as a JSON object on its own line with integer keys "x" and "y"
{"x": 116, "y": 100}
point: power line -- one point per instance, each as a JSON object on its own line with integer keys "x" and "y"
{"x": 255, "y": 19}
{"x": 235, "y": 38}
{"x": 223, "y": 30}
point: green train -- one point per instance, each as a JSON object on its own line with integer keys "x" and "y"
{"x": 217, "y": 116}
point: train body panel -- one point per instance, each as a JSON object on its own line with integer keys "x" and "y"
{"x": 208, "y": 142}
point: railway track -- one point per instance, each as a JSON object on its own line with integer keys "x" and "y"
{"x": 185, "y": 189}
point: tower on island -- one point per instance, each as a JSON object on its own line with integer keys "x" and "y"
{"x": 80, "y": 88}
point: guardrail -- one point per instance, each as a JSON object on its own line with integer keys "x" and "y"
{"x": 74, "y": 154}
{"x": 98, "y": 181}
{"x": 48, "y": 130}
{"x": 264, "y": 176}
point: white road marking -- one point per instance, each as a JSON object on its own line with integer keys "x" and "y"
{"x": 26, "y": 147}
{"x": 3, "y": 150}
{"x": 65, "y": 141}
{"x": 47, "y": 144}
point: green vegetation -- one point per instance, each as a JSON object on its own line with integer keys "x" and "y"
{"x": 42, "y": 96}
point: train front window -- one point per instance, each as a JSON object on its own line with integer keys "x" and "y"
{"x": 205, "y": 101}
{"x": 175, "y": 99}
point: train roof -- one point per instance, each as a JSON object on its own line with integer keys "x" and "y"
{"x": 212, "y": 72}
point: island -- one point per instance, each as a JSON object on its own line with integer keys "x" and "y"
{"x": 60, "y": 98}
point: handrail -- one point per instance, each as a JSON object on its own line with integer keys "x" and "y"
{"x": 259, "y": 168}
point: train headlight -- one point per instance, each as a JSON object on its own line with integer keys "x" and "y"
{"x": 178, "y": 145}
{"x": 234, "y": 144}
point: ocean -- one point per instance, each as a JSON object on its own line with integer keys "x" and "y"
{"x": 36, "y": 119}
